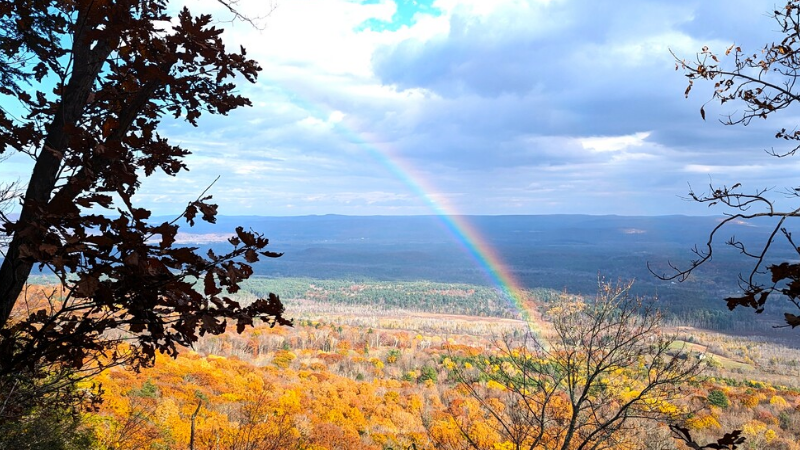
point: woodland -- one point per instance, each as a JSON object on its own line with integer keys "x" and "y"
{"x": 133, "y": 340}
{"x": 380, "y": 377}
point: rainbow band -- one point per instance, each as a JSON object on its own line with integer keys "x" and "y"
{"x": 463, "y": 232}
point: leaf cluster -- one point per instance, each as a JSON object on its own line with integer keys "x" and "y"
{"x": 730, "y": 441}
{"x": 93, "y": 80}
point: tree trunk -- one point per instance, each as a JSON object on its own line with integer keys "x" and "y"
{"x": 89, "y": 58}
{"x": 194, "y": 416}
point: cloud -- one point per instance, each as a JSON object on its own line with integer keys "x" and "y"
{"x": 614, "y": 143}
{"x": 492, "y": 107}
{"x": 520, "y": 47}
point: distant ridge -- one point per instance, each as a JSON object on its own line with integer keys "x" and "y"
{"x": 559, "y": 251}
{"x": 564, "y": 252}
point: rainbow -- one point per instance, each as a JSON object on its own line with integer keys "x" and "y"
{"x": 463, "y": 232}
{"x": 469, "y": 238}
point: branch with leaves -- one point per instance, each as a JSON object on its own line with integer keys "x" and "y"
{"x": 92, "y": 140}
{"x": 730, "y": 441}
{"x": 763, "y": 82}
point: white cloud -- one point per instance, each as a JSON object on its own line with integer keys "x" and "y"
{"x": 508, "y": 106}
{"x": 722, "y": 169}
{"x": 614, "y": 143}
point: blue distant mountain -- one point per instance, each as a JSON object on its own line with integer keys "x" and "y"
{"x": 557, "y": 251}
{"x": 564, "y": 252}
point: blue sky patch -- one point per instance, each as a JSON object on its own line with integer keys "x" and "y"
{"x": 405, "y": 15}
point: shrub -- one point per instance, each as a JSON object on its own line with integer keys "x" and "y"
{"x": 778, "y": 402}
{"x": 718, "y": 399}
{"x": 428, "y": 373}
{"x": 393, "y": 356}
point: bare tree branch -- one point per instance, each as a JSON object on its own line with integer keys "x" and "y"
{"x": 763, "y": 82}
{"x": 256, "y": 22}
{"x": 606, "y": 366}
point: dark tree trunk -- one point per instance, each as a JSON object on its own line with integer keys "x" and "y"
{"x": 194, "y": 416}
{"x": 88, "y": 62}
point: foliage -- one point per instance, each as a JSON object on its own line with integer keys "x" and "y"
{"x": 346, "y": 400}
{"x": 729, "y": 441}
{"x": 762, "y": 83}
{"x": 454, "y": 298}
{"x": 392, "y": 356}
{"x": 247, "y": 407}
{"x": 41, "y": 408}
{"x": 92, "y": 82}
{"x": 428, "y": 374}
{"x": 603, "y": 364}
{"x": 45, "y": 429}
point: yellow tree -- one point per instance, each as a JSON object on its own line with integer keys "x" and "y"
{"x": 263, "y": 421}
{"x": 605, "y": 367}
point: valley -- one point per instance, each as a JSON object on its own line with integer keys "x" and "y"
{"x": 403, "y": 333}
{"x": 360, "y": 369}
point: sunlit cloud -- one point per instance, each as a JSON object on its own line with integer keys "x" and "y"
{"x": 614, "y": 143}
{"x": 496, "y": 107}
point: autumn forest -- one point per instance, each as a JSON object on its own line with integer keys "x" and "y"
{"x": 360, "y": 376}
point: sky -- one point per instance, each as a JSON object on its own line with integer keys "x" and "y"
{"x": 394, "y": 107}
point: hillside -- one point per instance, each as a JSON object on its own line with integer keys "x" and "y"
{"x": 361, "y": 376}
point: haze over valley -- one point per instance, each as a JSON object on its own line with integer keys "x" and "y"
{"x": 560, "y": 252}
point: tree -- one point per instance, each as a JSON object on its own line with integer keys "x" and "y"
{"x": 90, "y": 81}
{"x": 259, "y": 424}
{"x": 762, "y": 83}
{"x": 44, "y": 411}
{"x": 604, "y": 366}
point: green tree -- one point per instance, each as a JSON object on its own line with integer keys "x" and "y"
{"x": 718, "y": 399}
{"x": 42, "y": 410}
{"x": 428, "y": 373}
